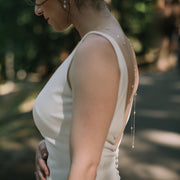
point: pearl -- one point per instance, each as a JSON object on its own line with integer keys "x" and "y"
{"x": 64, "y": 5}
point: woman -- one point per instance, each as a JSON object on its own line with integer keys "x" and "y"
{"x": 83, "y": 109}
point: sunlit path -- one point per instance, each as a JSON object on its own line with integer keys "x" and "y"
{"x": 157, "y": 145}
{"x": 156, "y": 155}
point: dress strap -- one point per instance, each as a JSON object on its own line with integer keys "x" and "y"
{"x": 123, "y": 85}
{"x": 121, "y": 60}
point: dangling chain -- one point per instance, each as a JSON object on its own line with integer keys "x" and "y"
{"x": 133, "y": 127}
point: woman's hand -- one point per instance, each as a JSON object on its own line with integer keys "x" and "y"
{"x": 42, "y": 170}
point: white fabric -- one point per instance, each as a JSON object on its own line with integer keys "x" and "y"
{"x": 52, "y": 113}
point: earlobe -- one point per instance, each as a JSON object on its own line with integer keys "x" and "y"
{"x": 38, "y": 10}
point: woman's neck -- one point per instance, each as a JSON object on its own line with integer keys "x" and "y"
{"x": 90, "y": 19}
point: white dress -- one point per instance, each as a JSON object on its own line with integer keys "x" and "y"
{"x": 52, "y": 113}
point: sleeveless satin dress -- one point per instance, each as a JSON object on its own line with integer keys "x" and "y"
{"x": 52, "y": 113}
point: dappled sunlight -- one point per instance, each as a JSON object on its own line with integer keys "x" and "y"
{"x": 156, "y": 152}
{"x": 108, "y": 1}
{"x": 19, "y": 98}
{"x": 18, "y": 133}
{"x": 9, "y": 130}
{"x": 126, "y": 152}
{"x": 174, "y": 98}
{"x": 157, "y": 141}
{"x": 17, "y": 130}
{"x": 16, "y": 136}
{"x": 143, "y": 170}
{"x": 34, "y": 77}
{"x": 22, "y": 133}
{"x": 137, "y": 45}
{"x": 176, "y": 85}
{"x": 165, "y": 138}
{"x": 159, "y": 171}
{"x": 64, "y": 55}
{"x": 8, "y": 87}
{"x": 140, "y": 145}
{"x": 7, "y": 144}
{"x": 149, "y": 160}
{"x": 32, "y": 143}
{"x": 147, "y": 171}
{"x": 26, "y": 106}
{"x": 145, "y": 80}
{"x": 153, "y": 113}
{"x": 151, "y": 55}
{"x": 21, "y": 74}
{"x": 165, "y": 63}
{"x": 160, "y": 114}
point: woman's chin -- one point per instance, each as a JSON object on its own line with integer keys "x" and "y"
{"x": 60, "y": 29}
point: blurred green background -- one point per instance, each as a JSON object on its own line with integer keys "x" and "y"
{"x": 30, "y": 51}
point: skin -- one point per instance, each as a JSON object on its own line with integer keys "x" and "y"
{"x": 53, "y": 11}
{"x": 41, "y": 161}
{"x": 94, "y": 79}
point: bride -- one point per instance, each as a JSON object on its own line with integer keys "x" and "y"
{"x": 83, "y": 109}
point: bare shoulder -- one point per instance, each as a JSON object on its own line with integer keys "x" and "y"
{"x": 96, "y": 46}
{"x": 95, "y": 55}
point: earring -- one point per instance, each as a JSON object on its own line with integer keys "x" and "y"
{"x": 65, "y": 5}
{"x": 39, "y": 10}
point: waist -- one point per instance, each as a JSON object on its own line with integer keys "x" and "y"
{"x": 59, "y": 161}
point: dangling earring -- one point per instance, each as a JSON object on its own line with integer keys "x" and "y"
{"x": 65, "y": 4}
{"x": 39, "y": 10}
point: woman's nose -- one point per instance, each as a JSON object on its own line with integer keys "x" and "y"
{"x": 38, "y": 10}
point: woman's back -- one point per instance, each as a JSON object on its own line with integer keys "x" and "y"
{"x": 53, "y": 115}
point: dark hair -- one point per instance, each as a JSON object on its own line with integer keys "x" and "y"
{"x": 94, "y": 3}
{"x": 97, "y": 4}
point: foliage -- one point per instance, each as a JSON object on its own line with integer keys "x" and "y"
{"x": 29, "y": 37}
{"x": 34, "y": 43}
{"x": 137, "y": 18}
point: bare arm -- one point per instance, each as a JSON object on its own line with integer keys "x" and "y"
{"x": 94, "y": 77}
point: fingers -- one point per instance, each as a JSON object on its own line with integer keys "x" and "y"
{"x": 43, "y": 150}
{"x": 43, "y": 166}
{"x": 39, "y": 175}
{"x": 41, "y": 161}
